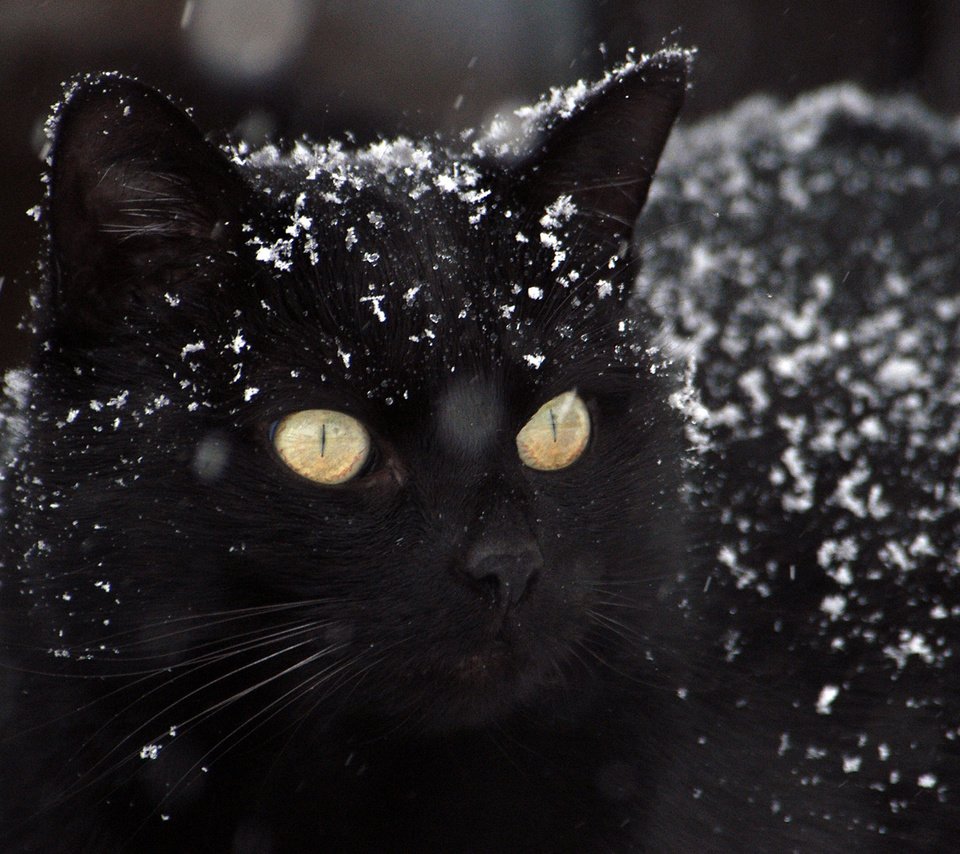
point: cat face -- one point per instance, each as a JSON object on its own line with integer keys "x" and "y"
{"x": 389, "y": 404}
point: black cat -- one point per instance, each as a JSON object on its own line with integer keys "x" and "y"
{"x": 355, "y": 501}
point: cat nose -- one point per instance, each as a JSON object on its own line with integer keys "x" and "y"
{"x": 505, "y": 569}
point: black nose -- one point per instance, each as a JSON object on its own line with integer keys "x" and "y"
{"x": 504, "y": 568}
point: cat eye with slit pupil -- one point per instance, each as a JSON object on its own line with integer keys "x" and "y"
{"x": 324, "y": 445}
{"x": 556, "y": 435}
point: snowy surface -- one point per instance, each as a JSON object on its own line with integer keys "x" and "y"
{"x": 802, "y": 264}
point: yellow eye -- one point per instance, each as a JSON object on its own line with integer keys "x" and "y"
{"x": 556, "y": 435}
{"x": 324, "y": 445}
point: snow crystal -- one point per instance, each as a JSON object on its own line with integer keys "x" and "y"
{"x": 834, "y": 605}
{"x": 535, "y": 360}
{"x": 828, "y": 693}
{"x": 375, "y": 301}
{"x": 910, "y": 644}
{"x": 150, "y": 751}
{"x": 752, "y": 382}
{"x": 901, "y": 373}
{"x": 559, "y": 212}
{"x": 851, "y": 764}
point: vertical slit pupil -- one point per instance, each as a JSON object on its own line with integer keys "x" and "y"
{"x": 323, "y": 438}
{"x": 553, "y": 425}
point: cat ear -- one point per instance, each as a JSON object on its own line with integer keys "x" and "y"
{"x": 604, "y": 155}
{"x": 139, "y": 202}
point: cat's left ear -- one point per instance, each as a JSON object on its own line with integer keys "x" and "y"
{"x": 604, "y": 155}
{"x": 139, "y": 203}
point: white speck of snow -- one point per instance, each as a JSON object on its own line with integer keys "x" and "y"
{"x": 119, "y": 401}
{"x": 851, "y": 764}
{"x": 277, "y": 253}
{"x": 927, "y": 781}
{"x": 845, "y": 493}
{"x": 535, "y": 360}
{"x": 900, "y": 374}
{"x": 922, "y": 546}
{"x": 800, "y": 498}
{"x": 702, "y": 261}
{"x": 752, "y": 383}
{"x": 745, "y": 576}
{"x": 376, "y": 300}
{"x": 535, "y": 293}
{"x": 604, "y": 288}
{"x": 784, "y": 743}
{"x": 150, "y": 751}
{"x": 828, "y": 693}
{"x": 192, "y": 348}
{"x": 16, "y": 386}
{"x": 250, "y": 392}
{"x": 172, "y": 299}
{"x": 558, "y": 212}
{"x": 834, "y": 605}
{"x": 871, "y": 428}
{"x": 910, "y": 644}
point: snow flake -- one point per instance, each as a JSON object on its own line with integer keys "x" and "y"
{"x": 150, "y": 751}
{"x": 535, "y": 360}
{"x": 828, "y": 693}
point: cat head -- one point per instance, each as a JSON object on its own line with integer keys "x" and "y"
{"x": 387, "y": 412}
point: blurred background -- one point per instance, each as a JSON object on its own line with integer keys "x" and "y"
{"x": 279, "y": 69}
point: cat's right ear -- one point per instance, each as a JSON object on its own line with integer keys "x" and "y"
{"x": 601, "y": 152}
{"x": 139, "y": 203}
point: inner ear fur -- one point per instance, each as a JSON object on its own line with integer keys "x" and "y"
{"x": 136, "y": 196}
{"x": 604, "y": 156}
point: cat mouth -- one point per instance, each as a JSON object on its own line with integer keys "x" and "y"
{"x": 490, "y": 684}
{"x": 484, "y": 666}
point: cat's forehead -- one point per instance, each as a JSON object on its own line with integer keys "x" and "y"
{"x": 400, "y": 175}
{"x": 403, "y": 260}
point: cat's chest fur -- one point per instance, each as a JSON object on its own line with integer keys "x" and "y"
{"x": 358, "y": 506}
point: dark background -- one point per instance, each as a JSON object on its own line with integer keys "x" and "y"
{"x": 287, "y": 67}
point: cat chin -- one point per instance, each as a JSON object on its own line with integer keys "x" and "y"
{"x": 485, "y": 687}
